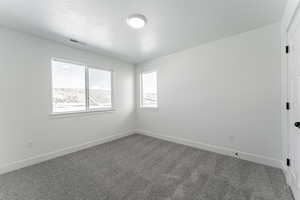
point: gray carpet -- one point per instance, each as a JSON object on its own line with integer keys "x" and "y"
{"x": 143, "y": 168}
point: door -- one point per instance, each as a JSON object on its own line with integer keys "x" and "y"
{"x": 294, "y": 93}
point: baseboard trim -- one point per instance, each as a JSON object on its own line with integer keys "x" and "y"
{"x": 222, "y": 150}
{"x": 48, "y": 156}
{"x": 217, "y": 149}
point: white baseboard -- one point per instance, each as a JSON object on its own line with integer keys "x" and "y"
{"x": 222, "y": 150}
{"x": 44, "y": 157}
{"x": 217, "y": 149}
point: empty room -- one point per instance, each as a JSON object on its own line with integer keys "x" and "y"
{"x": 149, "y": 100}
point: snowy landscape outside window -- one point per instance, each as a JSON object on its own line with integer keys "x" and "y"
{"x": 78, "y": 88}
{"x": 149, "y": 89}
{"x": 99, "y": 89}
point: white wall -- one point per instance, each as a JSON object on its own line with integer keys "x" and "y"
{"x": 25, "y": 103}
{"x": 223, "y": 96}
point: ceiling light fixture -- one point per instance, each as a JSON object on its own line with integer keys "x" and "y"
{"x": 136, "y": 21}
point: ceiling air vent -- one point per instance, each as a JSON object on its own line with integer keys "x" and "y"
{"x": 74, "y": 41}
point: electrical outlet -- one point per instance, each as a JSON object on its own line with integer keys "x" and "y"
{"x": 231, "y": 139}
{"x": 29, "y": 144}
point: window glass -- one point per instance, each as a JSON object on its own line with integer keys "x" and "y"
{"x": 99, "y": 89}
{"x": 68, "y": 87}
{"x": 149, "y": 89}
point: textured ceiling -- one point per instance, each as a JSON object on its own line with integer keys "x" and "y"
{"x": 173, "y": 25}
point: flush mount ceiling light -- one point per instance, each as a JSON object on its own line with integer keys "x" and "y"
{"x": 136, "y": 21}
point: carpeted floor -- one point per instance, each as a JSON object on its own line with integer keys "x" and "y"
{"x": 139, "y": 168}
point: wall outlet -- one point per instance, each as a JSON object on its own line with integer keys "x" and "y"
{"x": 29, "y": 144}
{"x": 231, "y": 139}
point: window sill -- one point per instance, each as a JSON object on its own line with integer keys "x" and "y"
{"x": 148, "y": 108}
{"x": 80, "y": 113}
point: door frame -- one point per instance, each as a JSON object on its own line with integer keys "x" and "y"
{"x": 294, "y": 17}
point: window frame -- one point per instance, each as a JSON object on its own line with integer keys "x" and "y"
{"x": 141, "y": 89}
{"x": 87, "y": 109}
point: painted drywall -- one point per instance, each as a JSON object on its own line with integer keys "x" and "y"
{"x": 27, "y": 130}
{"x": 287, "y": 18}
{"x": 223, "y": 95}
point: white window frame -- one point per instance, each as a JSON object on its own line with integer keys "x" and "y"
{"x": 141, "y": 89}
{"x": 87, "y": 109}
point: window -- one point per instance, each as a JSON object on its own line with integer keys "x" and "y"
{"x": 149, "y": 89}
{"x": 78, "y": 88}
{"x": 68, "y": 87}
{"x": 99, "y": 89}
